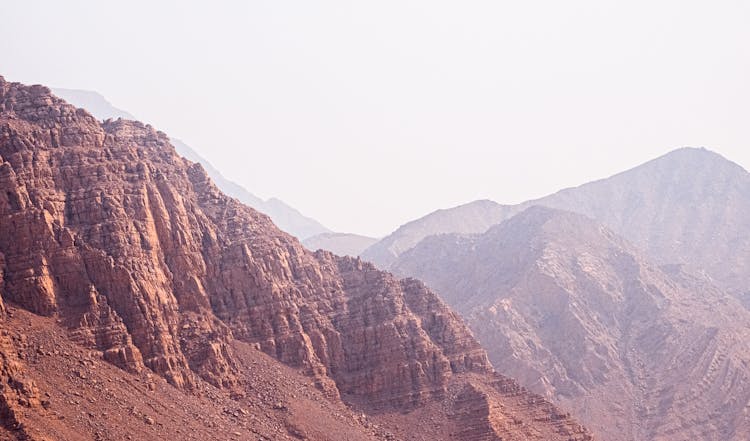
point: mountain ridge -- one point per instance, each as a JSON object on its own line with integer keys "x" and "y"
{"x": 343, "y": 244}
{"x": 689, "y": 206}
{"x": 286, "y": 217}
{"x": 579, "y": 315}
{"x": 144, "y": 264}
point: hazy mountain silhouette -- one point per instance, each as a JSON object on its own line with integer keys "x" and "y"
{"x": 690, "y": 206}
{"x": 343, "y": 244}
{"x": 286, "y": 217}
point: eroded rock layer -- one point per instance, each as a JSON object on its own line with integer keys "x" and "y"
{"x": 138, "y": 254}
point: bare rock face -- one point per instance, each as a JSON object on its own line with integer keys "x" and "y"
{"x": 17, "y": 391}
{"x": 580, "y": 316}
{"x": 287, "y": 218}
{"x": 139, "y": 255}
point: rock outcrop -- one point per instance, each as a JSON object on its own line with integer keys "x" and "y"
{"x": 581, "y": 316}
{"x": 138, "y": 254}
{"x": 17, "y": 391}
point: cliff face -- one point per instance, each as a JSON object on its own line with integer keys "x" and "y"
{"x": 579, "y": 315}
{"x": 137, "y": 249}
{"x": 141, "y": 257}
{"x": 285, "y": 217}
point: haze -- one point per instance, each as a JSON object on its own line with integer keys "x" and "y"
{"x": 366, "y": 115}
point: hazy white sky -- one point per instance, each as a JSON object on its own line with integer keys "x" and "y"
{"x": 367, "y": 114}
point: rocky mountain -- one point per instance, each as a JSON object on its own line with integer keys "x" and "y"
{"x": 343, "y": 244}
{"x": 117, "y": 252}
{"x": 284, "y": 216}
{"x": 690, "y": 206}
{"x": 578, "y": 314}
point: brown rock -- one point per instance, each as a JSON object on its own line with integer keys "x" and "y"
{"x": 141, "y": 257}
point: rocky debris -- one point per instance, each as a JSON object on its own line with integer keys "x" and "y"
{"x": 474, "y": 408}
{"x": 83, "y": 397}
{"x": 140, "y": 256}
{"x": 580, "y": 316}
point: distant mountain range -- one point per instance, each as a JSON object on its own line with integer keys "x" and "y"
{"x": 575, "y": 312}
{"x": 690, "y": 206}
{"x": 343, "y": 244}
{"x": 284, "y": 216}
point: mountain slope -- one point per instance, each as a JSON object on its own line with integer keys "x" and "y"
{"x": 140, "y": 259}
{"x": 581, "y": 316}
{"x": 474, "y": 217}
{"x": 285, "y": 217}
{"x": 689, "y": 206}
{"x": 65, "y": 392}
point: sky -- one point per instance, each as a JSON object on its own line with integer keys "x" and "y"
{"x": 367, "y": 114}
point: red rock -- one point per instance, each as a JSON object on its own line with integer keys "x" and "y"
{"x": 141, "y": 257}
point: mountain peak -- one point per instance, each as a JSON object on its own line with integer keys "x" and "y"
{"x": 695, "y": 156}
{"x": 582, "y": 316}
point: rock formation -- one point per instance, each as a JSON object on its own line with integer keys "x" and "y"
{"x": 284, "y": 216}
{"x": 139, "y": 256}
{"x": 637, "y": 351}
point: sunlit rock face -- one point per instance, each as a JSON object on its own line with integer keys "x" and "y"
{"x": 142, "y": 260}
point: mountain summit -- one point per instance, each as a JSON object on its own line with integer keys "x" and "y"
{"x": 690, "y": 206}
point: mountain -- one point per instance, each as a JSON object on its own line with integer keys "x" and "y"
{"x": 117, "y": 252}
{"x": 690, "y": 206}
{"x": 93, "y": 102}
{"x": 474, "y": 217}
{"x": 581, "y": 316}
{"x": 287, "y": 218}
{"x": 343, "y": 244}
